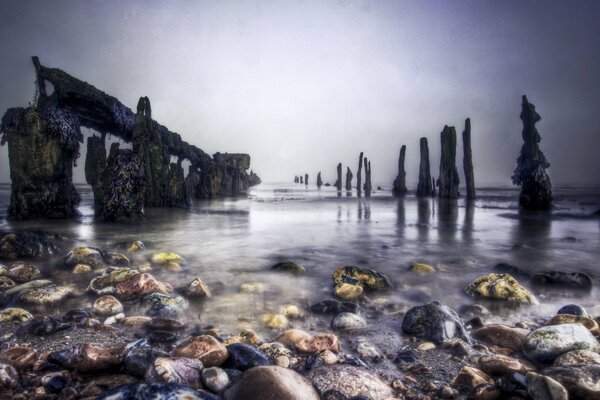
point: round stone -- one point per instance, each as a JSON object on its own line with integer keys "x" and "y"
{"x": 107, "y": 305}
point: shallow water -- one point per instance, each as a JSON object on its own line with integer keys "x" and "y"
{"x": 234, "y": 241}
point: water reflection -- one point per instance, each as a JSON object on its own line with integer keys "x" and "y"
{"x": 364, "y": 209}
{"x": 447, "y": 221}
{"x": 467, "y": 229}
{"x": 423, "y": 218}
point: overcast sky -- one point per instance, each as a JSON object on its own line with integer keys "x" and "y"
{"x": 302, "y": 85}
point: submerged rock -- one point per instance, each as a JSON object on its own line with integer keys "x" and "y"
{"x": 155, "y": 391}
{"x": 139, "y": 356}
{"x": 348, "y": 321}
{"x": 367, "y": 278}
{"x": 421, "y": 268}
{"x": 15, "y": 314}
{"x": 181, "y": 370}
{"x": 288, "y": 266}
{"x": 91, "y": 256}
{"x": 87, "y": 357}
{"x": 107, "y": 305}
{"x": 292, "y": 337}
{"x": 44, "y": 295}
{"x": 163, "y": 258}
{"x": 44, "y": 325}
{"x": 334, "y": 307}
{"x": 243, "y": 357}
{"x": 549, "y": 342}
{"x": 21, "y": 272}
{"x": 347, "y": 291}
{"x": 196, "y": 288}
{"x": 164, "y": 305}
{"x": 470, "y": 377}
{"x": 27, "y": 244}
{"x": 271, "y": 382}
{"x": 435, "y": 322}
{"x": 105, "y": 283}
{"x": 501, "y": 336}
{"x": 6, "y": 283}
{"x": 572, "y": 280}
{"x": 500, "y": 287}
{"x": 275, "y": 321}
{"x": 581, "y": 381}
{"x": 116, "y": 260}
{"x": 349, "y": 381}
{"x": 206, "y": 348}
{"x": 140, "y": 285}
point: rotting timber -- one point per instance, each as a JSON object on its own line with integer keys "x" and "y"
{"x": 44, "y": 143}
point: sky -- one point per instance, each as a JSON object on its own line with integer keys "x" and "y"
{"x": 302, "y": 85}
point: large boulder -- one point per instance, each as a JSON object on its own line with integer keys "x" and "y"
{"x": 549, "y": 342}
{"x": 435, "y": 322}
{"x": 581, "y": 381}
{"x": 500, "y": 287}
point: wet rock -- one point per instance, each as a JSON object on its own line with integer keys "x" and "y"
{"x": 163, "y": 258}
{"x": 279, "y": 383}
{"x": 155, "y": 391}
{"x": 107, "y": 305}
{"x": 577, "y": 357}
{"x": 206, "y": 348}
{"x": 275, "y": 321}
{"x": 162, "y": 336}
{"x": 469, "y": 311}
{"x": 500, "y": 287}
{"x": 498, "y": 364}
{"x": 573, "y": 309}
{"x": 247, "y": 336}
{"x": 164, "y": 306}
{"x": 15, "y": 314}
{"x": 215, "y": 379}
{"x": 471, "y": 377}
{"x": 292, "y": 337}
{"x": 37, "y": 283}
{"x": 501, "y": 336}
{"x": 367, "y": 278}
{"x": 571, "y": 280}
{"x": 589, "y": 323}
{"x": 116, "y": 260}
{"x": 82, "y": 269}
{"x": 581, "y": 381}
{"x": 44, "y": 325}
{"x": 279, "y": 355}
{"x": 543, "y": 387}
{"x": 105, "y": 283}
{"x": 435, "y": 322}
{"x": 56, "y": 382}
{"x": 349, "y": 381}
{"x": 136, "y": 321}
{"x": 421, "y": 268}
{"x": 139, "y": 356}
{"x": 87, "y": 357}
{"x": 348, "y": 321}
{"x": 130, "y": 247}
{"x": 27, "y": 244}
{"x": 243, "y": 357}
{"x": 76, "y": 315}
{"x": 101, "y": 384}
{"x": 91, "y": 256}
{"x": 6, "y": 283}
{"x": 181, "y": 370}
{"x": 9, "y": 377}
{"x": 549, "y": 342}
{"x": 140, "y": 285}
{"x": 334, "y": 307}
{"x": 20, "y": 357}
{"x": 165, "y": 324}
{"x": 288, "y": 266}
{"x": 196, "y": 288}
{"x": 319, "y": 343}
{"x": 348, "y": 291}
{"x": 44, "y": 295}
{"x": 21, "y": 272}
{"x": 291, "y": 311}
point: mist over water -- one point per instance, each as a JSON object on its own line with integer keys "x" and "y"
{"x": 235, "y": 241}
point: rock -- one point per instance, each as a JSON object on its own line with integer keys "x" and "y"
{"x": 21, "y": 272}
{"x": 140, "y": 285}
{"x": 82, "y": 269}
{"x": 277, "y": 382}
{"x": 573, "y": 309}
{"x": 155, "y": 391}
{"x": 543, "y": 387}
{"x": 424, "y": 187}
{"x": 291, "y": 311}
{"x": 105, "y": 283}
{"x": 253, "y": 287}
{"x": 471, "y": 377}
{"x": 549, "y": 342}
{"x": 180, "y": 370}
{"x": 9, "y": 377}
{"x": 334, "y": 307}
{"x": 349, "y": 381}
{"x": 44, "y": 295}
{"x": 27, "y": 244}
{"x": 498, "y": 364}
{"x": 448, "y": 179}
{"x": 164, "y": 306}
{"x": 288, "y": 266}
{"x": 206, "y": 348}
{"x": 44, "y": 325}
{"x": 246, "y": 336}
{"x": 581, "y": 381}
{"x": 20, "y": 357}
{"x": 135, "y": 321}
{"x": 348, "y": 321}
{"x": 426, "y": 346}
{"x": 421, "y": 268}
{"x": 172, "y": 266}
{"x": 163, "y": 258}
{"x": 91, "y": 256}
{"x": 577, "y": 357}
{"x": 501, "y": 287}
{"x": 589, "y": 323}
{"x": 243, "y": 357}
{"x": 469, "y": 311}
{"x": 367, "y": 278}
{"x": 116, "y": 260}
{"x": 502, "y": 336}
{"x": 275, "y": 321}
{"x": 530, "y": 173}
{"x": 292, "y": 337}
{"x": 435, "y": 322}
{"x": 319, "y": 343}
{"x": 101, "y": 384}
{"x": 215, "y": 379}
{"x": 348, "y": 291}
{"x": 139, "y": 357}
{"x": 15, "y": 314}
{"x": 6, "y": 283}
{"x": 196, "y": 288}
{"x": 279, "y": 355}
{"x": 572, "y": 280}
{"x": 165, "y": 324}
{"x": 55, "y": 382}
{"x": 107, "y": 305}
{"x": 87, "y": 357}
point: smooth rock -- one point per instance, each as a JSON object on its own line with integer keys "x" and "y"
{"x": 319, "y": 343}
{"x": 581, "y": 381}
{"x": 571, "y": 280}
{"x": 545, "y": 388}
{"x": 87, "y": 357}
{"x": 589, "y": 323}
{"x": 215, "y": 379}
{"x": 573, "y": 309}
{"x": 435, "y": 322}
{"x": 349, "y": 381}
{"x": 155, "y": 391}
{"x": 291, "y": 311}
{"x": 6, "y": 283}
{"x": 140, "y": 285}
{"x": 549, "y": 342}
{"x": 82, "y": 269}
{"x": 45, "y": 295}
{"x": 91, "y": 256}
{"x": 347, "y": 291}
{"x": 334, "y": 307}
{"x": 367, "y": 278}
{"x": 500, "y": 287}
{"x": 288, "y": 266}
{"x": 196, "y": 288}
{"x": 292, "y": 337}
{"x": 107, "y": 305}
{"x": 243, "y": 357}
{"x": 275, "y": 321}
{"x": 577, "y": 357}
{"x": 163, "y": 258}
{"x": 271, "y": 382}
{"x": 421, "y": 268}
{"x": 348, "y": 321}
{"x": 21, "y": 272}
{"x": 206, "y": 348}
{"x": 9, "y": 377}
{"x": 501, "y": 336}
{"x": 139, "y": 356}
{"x": 15, "y": 314}
{"x": 19, "y": 356}
{"x": 471, "y": 377}
{"x": 105, "y": 283}
{"x": 116, "y": 260}
{"x": 498, "y": 364}
{"x": 181, "y": 370}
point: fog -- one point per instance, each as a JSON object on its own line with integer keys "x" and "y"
{"x": 303, "y": 85}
